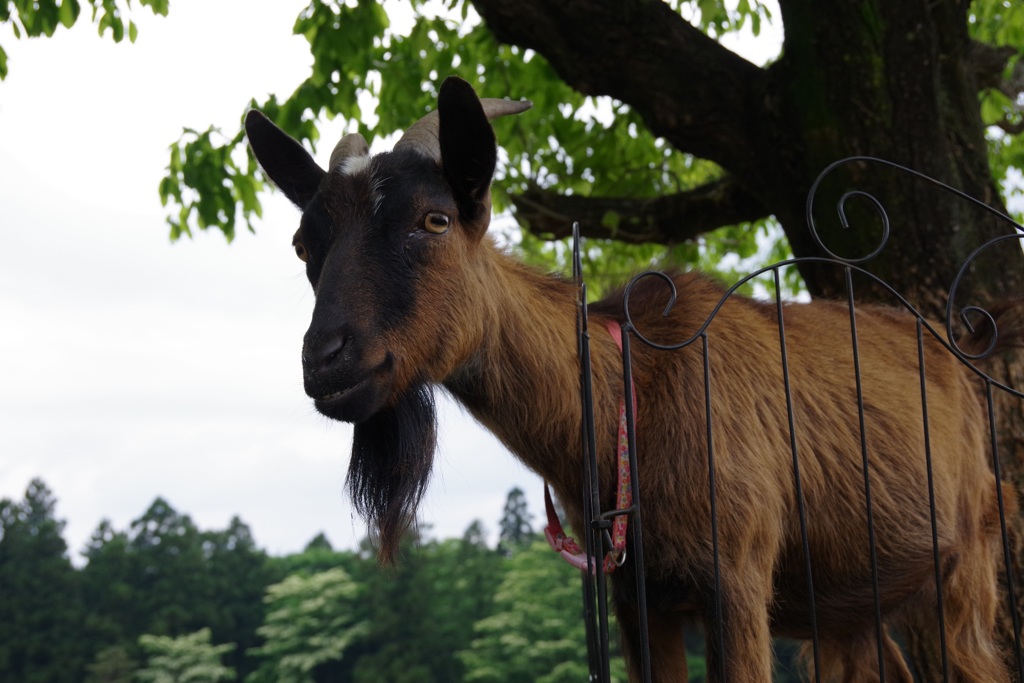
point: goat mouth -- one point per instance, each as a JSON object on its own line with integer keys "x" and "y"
{"x": 361, "y": 400}
{"x": 340, "y": 395}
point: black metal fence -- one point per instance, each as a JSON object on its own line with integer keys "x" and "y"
{"x": 594, "y": 585}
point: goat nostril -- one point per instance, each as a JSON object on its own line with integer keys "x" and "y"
{"x": 330, "y": 351}
{"x": 321, "y": 356}
{"x": 335, "y": 348}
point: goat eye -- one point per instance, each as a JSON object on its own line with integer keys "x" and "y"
{"x": 300, "y": 251}
{"x": 436, "y": 223}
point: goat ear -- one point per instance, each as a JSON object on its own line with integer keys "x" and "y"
{"x": 283, "y": 159}
{"x": 468, "y": 148}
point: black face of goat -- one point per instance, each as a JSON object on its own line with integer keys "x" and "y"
{"x": 391, "y": 244}
{"x": 386, "y": 239}
{"x": 367, "y": 254}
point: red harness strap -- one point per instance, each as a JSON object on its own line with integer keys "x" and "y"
{"x": 565, "y": 545}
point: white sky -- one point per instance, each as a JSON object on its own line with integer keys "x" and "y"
{"x": 131, "y": 368}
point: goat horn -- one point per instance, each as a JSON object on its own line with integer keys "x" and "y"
{"x": 422, "y": 135}
{"x": 351, "y": 145}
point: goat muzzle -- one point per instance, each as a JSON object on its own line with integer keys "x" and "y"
{"x": 340, "y": 382}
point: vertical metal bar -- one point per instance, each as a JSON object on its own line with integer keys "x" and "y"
{"x": 598, "y": 655}
{"x": 801, "y": 505}
{"x": 931, "y": 501}
{"x": 589, "y": 615}
{"x": 594, "y": 664}
{"x": 637, "y": 543}
{"x": 597, "y": 660}
{"x": 591, "y": 534}
{"x": 867, "y": 477}
{"x": 1007, "y": 557}
{"x": 714, "y": 509}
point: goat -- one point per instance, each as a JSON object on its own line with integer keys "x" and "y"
{"x": 411, "y": 294}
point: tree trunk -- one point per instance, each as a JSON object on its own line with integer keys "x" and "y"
{"x": 895, "y": 79}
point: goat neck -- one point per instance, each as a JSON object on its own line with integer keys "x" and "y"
{"x": 521, "y": 380}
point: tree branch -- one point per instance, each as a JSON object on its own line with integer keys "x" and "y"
{"x": 668, "y": 219}
{"x": 989, "y": 63}
{"x": 688, "y": 89}
{"x": 1011, "y": 128}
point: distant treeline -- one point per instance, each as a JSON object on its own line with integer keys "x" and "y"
{"x": 165, "y": 601}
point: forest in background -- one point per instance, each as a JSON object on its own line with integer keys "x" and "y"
{"x": 166, "y": 602}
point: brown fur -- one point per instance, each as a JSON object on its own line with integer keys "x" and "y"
{"x": 400, "y": 307}
{"x": 528, "y": 351}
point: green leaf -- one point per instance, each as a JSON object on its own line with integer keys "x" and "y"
{"x": 68, "y": 13}
{"x": 165, "y": 190}
{"x": 117, "y": 29}
{"x": 159, "y": 7}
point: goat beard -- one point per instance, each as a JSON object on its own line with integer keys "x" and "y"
{"x": 392, "y": 458}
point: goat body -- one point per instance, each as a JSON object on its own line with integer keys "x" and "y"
{"x": 411, "y": 293}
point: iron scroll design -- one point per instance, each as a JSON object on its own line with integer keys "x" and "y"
{"x": 1016, "y": 234}
{"x": 853, "y": 265}
{"x": 594, "y": 590}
